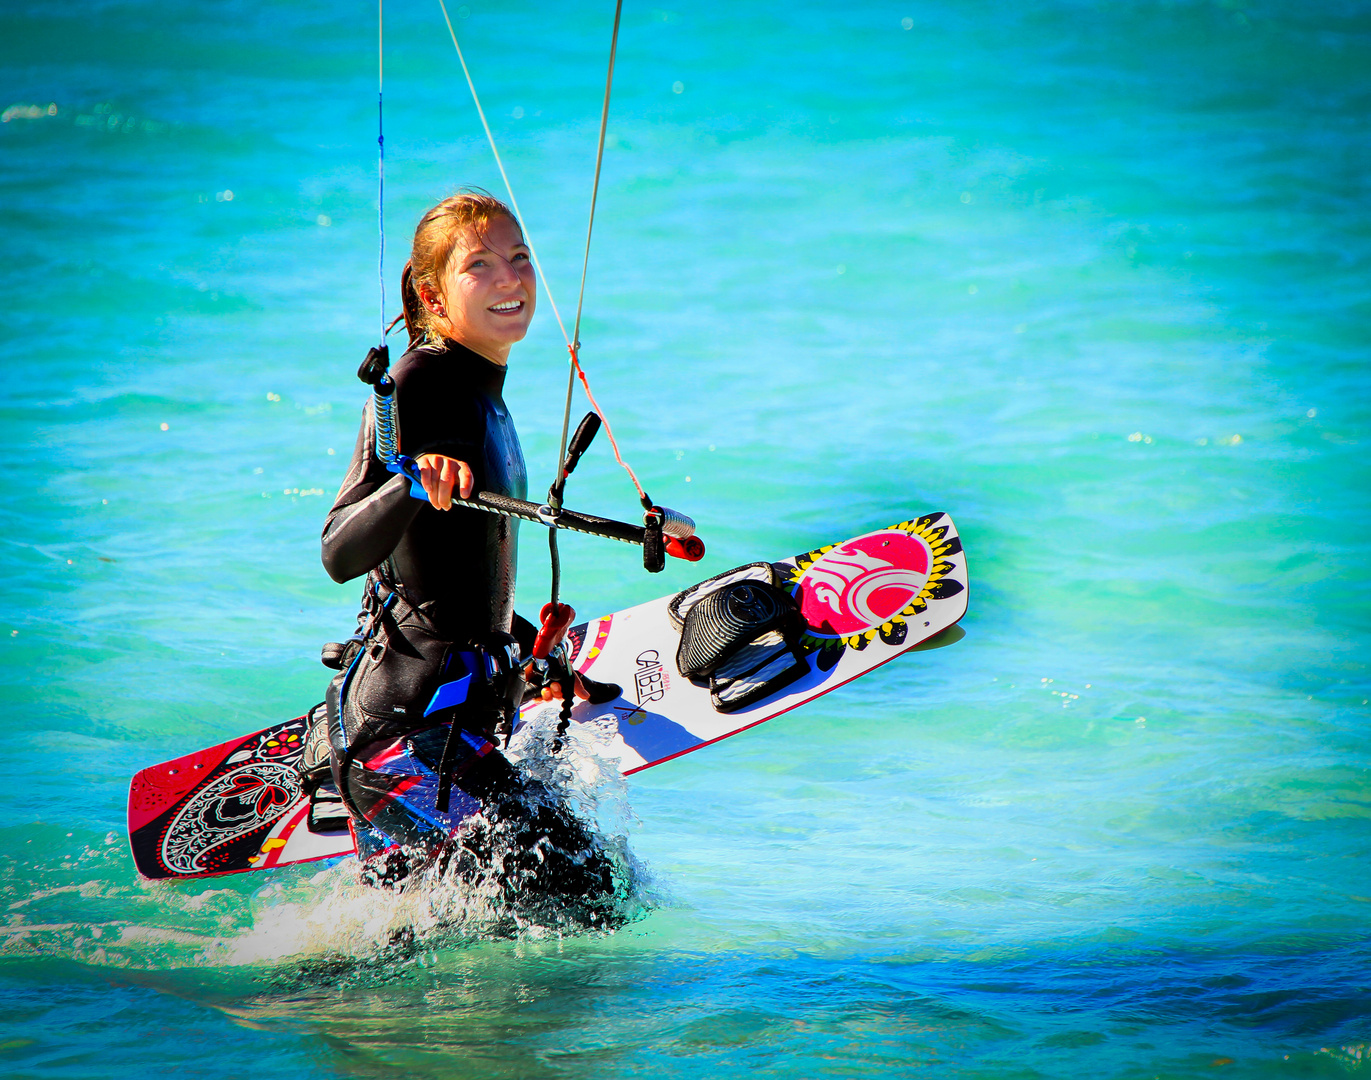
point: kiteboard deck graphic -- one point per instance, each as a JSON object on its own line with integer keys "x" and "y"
{"x": 241, "y": 806}
{"x": 236, "y": 806}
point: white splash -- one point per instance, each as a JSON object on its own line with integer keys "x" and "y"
{"x": 331, "y": 913}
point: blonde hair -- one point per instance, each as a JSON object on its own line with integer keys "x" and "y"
{"x": 434, "y": 240}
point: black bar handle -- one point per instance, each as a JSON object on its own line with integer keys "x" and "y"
{"x": 610, "y": 529}
{"x": 375, "y": 366}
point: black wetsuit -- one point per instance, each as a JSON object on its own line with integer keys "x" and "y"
{"x": 460, "y": 561}
{"x": 437, "y": 582}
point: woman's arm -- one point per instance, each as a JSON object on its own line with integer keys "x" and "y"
{"x": 372, "y": 512}
{"x": 374, "y": 507}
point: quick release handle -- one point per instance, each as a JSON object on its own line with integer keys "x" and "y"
{"x": 374, "y": 368}
{"x": 556, "y": 618}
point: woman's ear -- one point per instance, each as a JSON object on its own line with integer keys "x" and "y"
{"x": 432, "y": 300}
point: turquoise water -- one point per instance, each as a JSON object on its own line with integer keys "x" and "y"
{"x": 1091, "y": 278}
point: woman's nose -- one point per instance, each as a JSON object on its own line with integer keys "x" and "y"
{"x": 508, "y": 276}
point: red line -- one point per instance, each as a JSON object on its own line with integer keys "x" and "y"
{"x": 390, "y": 796}
{"x": 601, "y": 635}
{"x": 291, "y": 825}
{"x": 249, "y": 869}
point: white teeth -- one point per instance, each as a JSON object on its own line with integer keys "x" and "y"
{"x": 508, "y": 305}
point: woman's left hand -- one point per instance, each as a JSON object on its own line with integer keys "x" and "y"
{"x": 554, "y": 690}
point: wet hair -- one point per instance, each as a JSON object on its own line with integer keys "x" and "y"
{"x": 439, "y": 230}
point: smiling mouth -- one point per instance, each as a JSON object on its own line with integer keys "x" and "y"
{"x": 507, "y": 307}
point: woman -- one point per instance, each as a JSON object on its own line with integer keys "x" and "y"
{"x": 439, "y": 595}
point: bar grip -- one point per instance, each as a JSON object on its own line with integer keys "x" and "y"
{"x": 610, "y": 529}
{"x": 675, "y": 523}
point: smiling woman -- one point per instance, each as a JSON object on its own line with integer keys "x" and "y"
{"x": 470, "y": 278}
{"x": 439, "y": 593}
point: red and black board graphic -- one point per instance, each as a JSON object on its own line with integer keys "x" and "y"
{"x": 211, "y": 811}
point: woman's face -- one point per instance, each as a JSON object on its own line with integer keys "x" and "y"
{"x": 489, "y": 290}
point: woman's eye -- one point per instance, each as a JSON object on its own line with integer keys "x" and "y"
{"x": 522, "y": 255}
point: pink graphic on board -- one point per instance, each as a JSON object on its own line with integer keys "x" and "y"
{"x": 859, "y": 585}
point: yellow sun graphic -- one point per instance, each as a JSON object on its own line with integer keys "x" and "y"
{"x": 894, "y": 630}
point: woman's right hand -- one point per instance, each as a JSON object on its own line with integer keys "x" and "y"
{"x": 441, "y": 475}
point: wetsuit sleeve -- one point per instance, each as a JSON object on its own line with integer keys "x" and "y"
{"x": 370, "y": 515}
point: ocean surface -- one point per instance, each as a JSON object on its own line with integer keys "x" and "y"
{"x": 1094, "y": 278}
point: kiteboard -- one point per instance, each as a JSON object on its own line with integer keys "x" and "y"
{"x": 241, "y": 805}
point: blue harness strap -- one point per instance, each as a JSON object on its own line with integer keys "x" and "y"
{"x": 454, "y": 692}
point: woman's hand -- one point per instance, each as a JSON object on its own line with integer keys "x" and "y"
{"x": 441, "y": 475}
{"x": 554, "y": 690}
